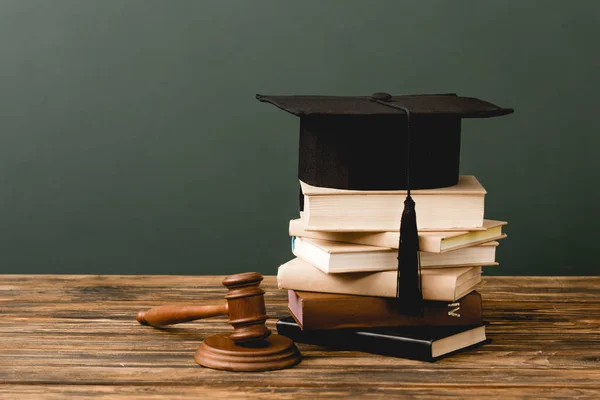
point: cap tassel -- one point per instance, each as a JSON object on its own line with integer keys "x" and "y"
{"x": 408, "y": 288}
{"x": 409, "y": 265}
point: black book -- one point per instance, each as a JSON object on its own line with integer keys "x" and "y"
{"x": 417, "y": 343}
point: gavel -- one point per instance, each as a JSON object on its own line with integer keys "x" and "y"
{"x": 245, "y": 305}
{"x": 250, "y": 347}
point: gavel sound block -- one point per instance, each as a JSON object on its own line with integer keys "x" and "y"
{"x": 250, "y": 347}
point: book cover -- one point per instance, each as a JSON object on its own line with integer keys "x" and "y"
{"x": 313, "y": 310}
{"x": 417, "y": 343}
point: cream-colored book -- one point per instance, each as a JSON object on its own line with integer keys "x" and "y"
{"x": 336, "y": 257}
{"x": 458, "y": 207}
{"x": 429, "y": 242}
{"x": 443, "y": 284}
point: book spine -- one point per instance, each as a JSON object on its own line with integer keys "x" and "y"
{"x": 366, "y": 312}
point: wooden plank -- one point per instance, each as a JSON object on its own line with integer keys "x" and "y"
{"x": 64, "y": 335}
{"x": 59, "y": 392}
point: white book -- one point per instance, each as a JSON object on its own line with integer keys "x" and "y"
{"x": 458, "y": 207}
{"x": 336, "y": 257}
{"x": 444, "y": 284}
{"x": 429, "y": 242}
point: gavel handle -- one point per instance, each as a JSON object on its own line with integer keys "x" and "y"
{"x": 169, "y": 315}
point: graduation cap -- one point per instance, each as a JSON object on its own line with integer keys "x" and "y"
{"x": 385, "y": 142}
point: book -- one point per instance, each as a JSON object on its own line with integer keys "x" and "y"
{"x": 425, "y": 343}
{"x": 429, "y": 242}
{"x": 458, "y": 207}
{"x": 335, "y": 311}
{"x": 336, "y": 257}
{"x": 441, "y": 284}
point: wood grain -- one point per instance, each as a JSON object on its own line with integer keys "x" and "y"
{"x": 76, "y": 336}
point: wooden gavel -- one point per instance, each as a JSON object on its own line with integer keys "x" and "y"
{"x": 250, "y": 347}
{"x": 245, "y": 306}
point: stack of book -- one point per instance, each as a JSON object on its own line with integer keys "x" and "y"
{"x": 342, "y": 283}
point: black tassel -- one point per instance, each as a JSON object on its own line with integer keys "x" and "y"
{"x": 408, "y": 288}
{"x": 409, "y": 266}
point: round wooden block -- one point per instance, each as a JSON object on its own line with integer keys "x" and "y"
{"x": 220, "y": 352}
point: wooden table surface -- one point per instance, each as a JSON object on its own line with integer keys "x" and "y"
{"x": 76, "y": 336}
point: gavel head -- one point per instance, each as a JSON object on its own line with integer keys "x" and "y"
{"x": 246, "y": 304}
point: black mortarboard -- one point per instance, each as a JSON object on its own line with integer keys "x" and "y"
{"x": 385, "y": 142}
{"x": 353, "y": 142}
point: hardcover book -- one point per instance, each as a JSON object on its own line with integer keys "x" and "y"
{"x": 441, "y": 284}
{"x": 429, "y": 242}
{"x": 458, "y": 207}
{"x": 335, "y": 311}
{"x": 336, "y": 257}
{"x": 418, "y": 343}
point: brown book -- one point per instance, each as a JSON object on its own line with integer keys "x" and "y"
{"x": 332, "y": 311}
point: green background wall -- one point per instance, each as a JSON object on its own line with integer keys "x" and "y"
{"x": 131, "y": 142}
